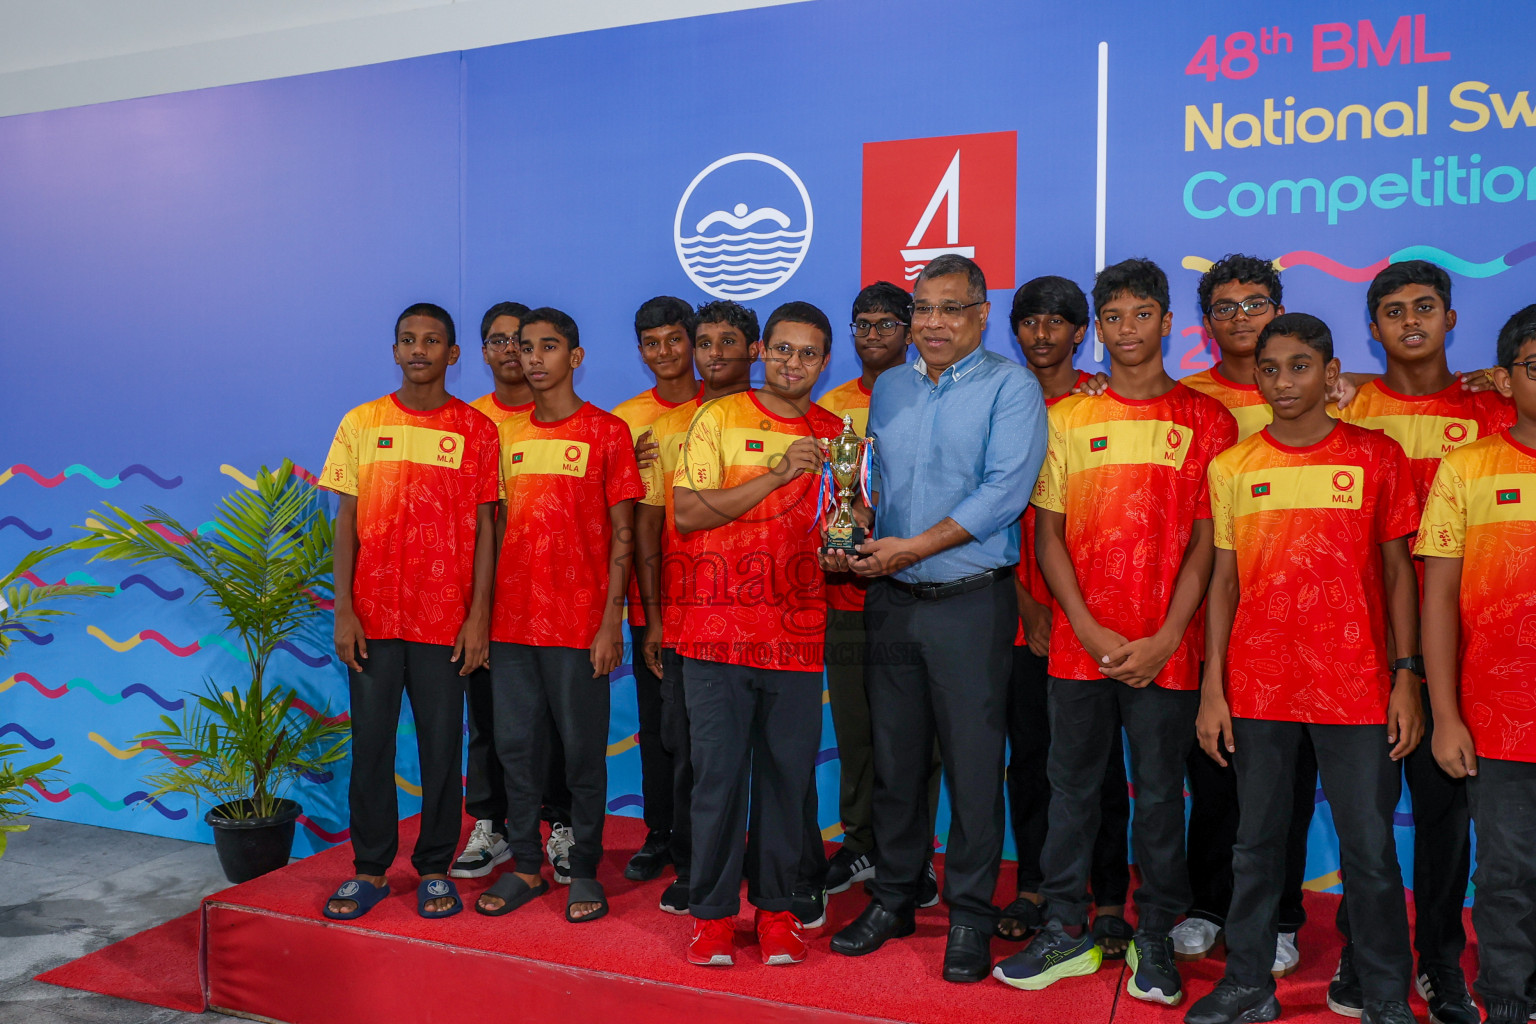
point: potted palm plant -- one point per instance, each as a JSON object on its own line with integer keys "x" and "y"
{"x": 22, "y": 606}
{"x": 263, "y": 566}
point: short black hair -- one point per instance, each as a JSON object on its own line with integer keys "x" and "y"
{"x": 1399, "y": 275}
{"x": 728, "y": 311}
{"x": 432, "y": 310}
{"x": 1234, "y": 266}
{"x": 498, "y": 311}
{"x": 661, "y": 311}
{"x": 1138, "y": 276}
{"x": 953, "y": 263}
{"x": 1049, "y": 296}
{"x": 561, "y": 322}
{"x": 884, "y": 297}
{"x": 800, "y": 313}
{"x": 1517, "y": 330}
{"x": 1304, "y": 327}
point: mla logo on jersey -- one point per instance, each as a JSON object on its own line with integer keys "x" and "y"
{"x": 572, "y": 453}
{"x": 447, "y": 444}
{"x": 1174, "y": 438}
{"x": 743, "y": 226}
{"x": 1343, "y": 480}
{"x": 1455, "y": 432}
{"x": 971, "y": 179}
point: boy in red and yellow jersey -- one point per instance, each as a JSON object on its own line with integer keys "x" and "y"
{"x": 1123, "y": 537}
{"x": 416, "y": 472}
{"x": 664, "y": 331}
{"x": 752, "y": 634}
{"x": 1050, "y": 319}
{"x": 725, "y": 339}
{"x": 1419, "y": 404}
{"x": 1478, "y": 540}
{"x": 881, "y": 314}
{"x": 1312, "y": 524}
{"x": 571, "y": 482}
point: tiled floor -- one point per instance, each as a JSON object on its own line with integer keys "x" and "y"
{"x": 68, "y": 889}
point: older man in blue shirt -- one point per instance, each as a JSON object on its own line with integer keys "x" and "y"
{"x": 960, "y": 436}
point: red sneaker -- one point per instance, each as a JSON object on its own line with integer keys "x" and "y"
{"x": 711, "y": 945}
{"x": 779, "y": 937}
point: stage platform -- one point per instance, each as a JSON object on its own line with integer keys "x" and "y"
{"x": 268, "y": 954}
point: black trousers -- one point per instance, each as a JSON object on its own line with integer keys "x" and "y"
{"x": 752, "y": 731}
{"x": 485, "y": 780}
{"x": 436, "y": 690}
{"x": 1213, "y": 823}
{"x": 674, "y": 735}
{"x": 940, "y": 669}
{"x": 847, "y": 652}
{"x": 1086, "y": 716}
{"x": 1029, "y": 791}
{"x": 1442, "y": 855}
{"x": 655, "y": 761}
{"x": 1362, "y": 785}
{"x": 531, "y": 685}
{"x": 1503, "y": 803}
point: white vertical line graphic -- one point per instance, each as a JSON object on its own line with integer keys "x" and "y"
{"x": 1101, "y": 192}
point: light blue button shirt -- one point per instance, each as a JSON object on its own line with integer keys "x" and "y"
{"x": 968, "y": 448}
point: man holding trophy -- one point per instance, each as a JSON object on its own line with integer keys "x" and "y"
{"x": 959, "y": 440}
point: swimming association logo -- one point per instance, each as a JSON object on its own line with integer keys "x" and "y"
{"x": 743, "y": 226}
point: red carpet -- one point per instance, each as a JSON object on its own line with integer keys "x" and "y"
{"x": 270, "y": 953}
{"x": 156, "y": 966}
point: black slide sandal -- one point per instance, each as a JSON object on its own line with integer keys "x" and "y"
{"x": 1112, "y": 926}
{"x": 586, "y": 890}
{"x": 513, "y": 893}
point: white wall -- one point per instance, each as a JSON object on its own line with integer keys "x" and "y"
{"x": 64, "y": 53}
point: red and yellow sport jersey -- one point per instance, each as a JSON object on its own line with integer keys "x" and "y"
{"x": 639, "y": 414}
{"x": 1028, "y": 575}
{"x": 753, "y": 592}
{"x": 845, "y": 591}
{"x": 1482, "y": 509}
{"x": 671, "y": 434}
{"x": 1129, "y": 476}
{"x": 1243, "y": 401}
{"x": 561, "y": 479}
{"x": 1429, "y": 426}
{"x": 1309, "y": 640}
{"x": 419, "y": 478}
{"x": 492, "y": 407}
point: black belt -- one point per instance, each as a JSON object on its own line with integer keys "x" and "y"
{"x": 964, "y": 585}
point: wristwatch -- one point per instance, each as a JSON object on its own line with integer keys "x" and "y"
{"x": 1414, "y": 664}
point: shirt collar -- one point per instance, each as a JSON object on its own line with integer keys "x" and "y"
{"x": 964, "y": 366}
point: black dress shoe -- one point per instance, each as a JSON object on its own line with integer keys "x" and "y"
{"x": 968, "y": 956}
{"x": 869, "y": 931}
{"x": 651, "y": 858}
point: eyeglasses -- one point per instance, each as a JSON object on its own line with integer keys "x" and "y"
{"x": 499, "y": 341}
{"x": 884, "y": 328}
{"x": 1530, "y": 367}
{"x": 949, "y": 311}
{"x": 784, "y": 351}
{"x": 1251, "y": 307}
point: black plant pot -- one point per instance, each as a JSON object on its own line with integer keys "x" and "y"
{"x": 251, "y": 847}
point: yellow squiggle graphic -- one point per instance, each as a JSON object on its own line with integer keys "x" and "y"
{"x": 832, "y": 831}
{"x": 241, "y": 478}
{"x": 627, "y": 743}
{"x": 121, "y": 755}
{"x": 1323, "y": 882}
{"x": 8, "y": 683}
{"x": 117, "y": 645}
{"x": 407, "y": 785}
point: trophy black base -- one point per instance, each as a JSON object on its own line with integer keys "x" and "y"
{"x": 845, "y": 538}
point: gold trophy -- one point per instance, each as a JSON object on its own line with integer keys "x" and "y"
{"x": 847, "y": 464}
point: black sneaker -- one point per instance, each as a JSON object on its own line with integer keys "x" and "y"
{"x": 1345, "y": 997}
{"x": 1230, "y": 1003}
{"x": 675, "y": 899}
{"x": 1508, "y": 1011}
{"x": 1154, "y": 978}
{"x": 1445, "y": 990}
{"x": 1385, "y": 1011}
{"x": 809, "y": 905}
{"x": 928, "y": 887}
{"x": 653, "y": 855}
{"x": 846, "y": 868}
{"x": 1048, "y": 958}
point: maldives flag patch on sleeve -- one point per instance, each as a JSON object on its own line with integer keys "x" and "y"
{"x": 1098, "y": 444}
{"x": 1260, "y": 490}
{"x": 754, "y": 446}
{"x": 386, "y": 442}
{"x": 1510, "y": 496}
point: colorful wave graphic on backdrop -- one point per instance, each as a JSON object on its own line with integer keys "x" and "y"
{"x": 55, "y": 692}
{"x": 201, "y": 644}
{"x": 20, "y": 469}
{"x": 136, "y": 580}
{"x": 1360, "y": 275}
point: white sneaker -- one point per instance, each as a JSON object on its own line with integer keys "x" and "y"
{"x": 561, "y": 839}
{"x": 1287, "y": 956}
{"x": 483, "y": 852}
{"x": 1193, "y": 938}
